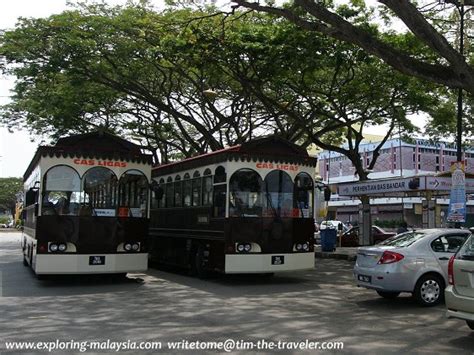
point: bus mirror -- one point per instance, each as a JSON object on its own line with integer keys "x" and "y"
{"x": 36, "y": 210}
{"x": 23, "y": 214}
{"x": 327, "y": 194}
{"x": 414, "y": 183}
{"x": 31, "y": 196}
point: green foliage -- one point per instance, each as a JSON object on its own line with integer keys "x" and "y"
{"x": 10, "y": 188}
{"x": 143, "y": 74}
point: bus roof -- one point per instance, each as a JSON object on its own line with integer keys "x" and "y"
{"x": 98, "y": 144}
{"x": 271, "y": 148}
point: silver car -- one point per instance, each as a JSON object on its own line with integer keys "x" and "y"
{"x": 415, "y": 262}
{"x": 460, "y": 292}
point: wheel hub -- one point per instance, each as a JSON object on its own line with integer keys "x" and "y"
{"x": 430, "y": 291}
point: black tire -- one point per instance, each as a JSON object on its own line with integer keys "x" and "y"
{"x": 25, "y": 262}
{"x": 470, "y": 324}
{"x": 388, "y": 295}
{"x": 429, "y": 290}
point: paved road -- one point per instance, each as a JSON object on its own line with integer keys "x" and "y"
{"x": 319, "y": 305}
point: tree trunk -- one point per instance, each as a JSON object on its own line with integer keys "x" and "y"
{"x": 365, "y": 222}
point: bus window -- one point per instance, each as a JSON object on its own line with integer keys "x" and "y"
{"x": 278, "y": 194}
{"x": 161, "y": 202}
{"x": 100, "y": 185}
{"x": 135, "y": 184}
{"x": 207, "y": 190}
{"x": 219, "y": 200}
{"x": 196, "y": 189}
{"x": 178, "y": 197}
{"x": 245, "y": 194}
{"x": 220, "y": 175}
{"x": 303, "y": 195}
{"x": 62, "y": 192}
{"x": 187, "y": 190}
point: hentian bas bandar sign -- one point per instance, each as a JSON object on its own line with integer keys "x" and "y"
{"x": 374, "y": 187}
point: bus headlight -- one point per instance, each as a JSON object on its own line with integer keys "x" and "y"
{"x": 244, "y": 247}
{"x": 135, "y": 246}
{"x": 53, "y": 247}
{"x": 62, "y": 247}
{"x": 301, "y": 247}
{"x": 127, "y": 246}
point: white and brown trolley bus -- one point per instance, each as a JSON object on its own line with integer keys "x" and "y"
{"x": 244, "y": 209}
{"x": 86, "y": 206}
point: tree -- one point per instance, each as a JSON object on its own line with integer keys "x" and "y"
{"x": 445, "y": 65}
{"x": 323, "y": 92}
{"x": 130, "y": 70}
{"x": 10, "y": 188}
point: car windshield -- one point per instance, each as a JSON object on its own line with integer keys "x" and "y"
{"x": 467, "y": 250}
{"x": 403, "y": 240}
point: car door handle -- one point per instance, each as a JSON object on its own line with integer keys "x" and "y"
{"x": 443, "y": 258}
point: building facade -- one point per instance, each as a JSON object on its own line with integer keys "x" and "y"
{"x": 397, "y": 158}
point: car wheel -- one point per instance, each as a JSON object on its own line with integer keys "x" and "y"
{"x": 470, "y": 324}
{"x": 388, "y": 295}
{"x": 429, "y": 290}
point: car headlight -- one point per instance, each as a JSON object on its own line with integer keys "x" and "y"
{"x": 53, "y": 247}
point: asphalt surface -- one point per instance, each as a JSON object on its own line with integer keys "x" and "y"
{"x": 318, "y": 305}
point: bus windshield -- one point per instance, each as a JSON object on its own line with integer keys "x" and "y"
{"x": 275, "y": 196}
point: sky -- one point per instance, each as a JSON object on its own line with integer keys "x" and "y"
{"x": 17, "y": 149}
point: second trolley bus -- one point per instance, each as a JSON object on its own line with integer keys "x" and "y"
{"x": 244, "y": 209}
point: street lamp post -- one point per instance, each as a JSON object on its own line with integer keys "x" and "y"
{"x": 460, "y": 7}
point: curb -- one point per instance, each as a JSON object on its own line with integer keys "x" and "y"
{"x": 332, "y": 255}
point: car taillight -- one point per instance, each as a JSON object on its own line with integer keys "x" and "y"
{"x": 389, "y": 257}
{"x": 451, "y": 270}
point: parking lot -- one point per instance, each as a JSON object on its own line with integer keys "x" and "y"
{"x": 318, "y": 305}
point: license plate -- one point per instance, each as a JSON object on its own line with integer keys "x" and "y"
{"x": 364, "y": 278}
{"x": 96, "y": 260}
{"x": 278, "y": 259}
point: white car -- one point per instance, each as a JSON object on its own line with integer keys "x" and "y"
{"x": 459, "y": 294}
{"x": 415, "y": 262}
{"x": 333, "y": 224}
